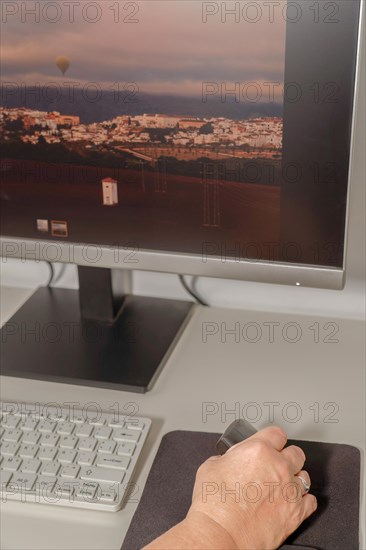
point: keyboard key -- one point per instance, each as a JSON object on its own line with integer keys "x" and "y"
{"x": 77, "y": 418}
{"x": 5, "y": 477}
{"x": 84, "y": 430}
{"x": 99, "y": 420}
{"x": 126, "y": 435}
{"x": 65, "y": 428}
{"x": 44, "y": 485}
{"x": 28, "y": 451}
{"x": 21, "y": 482}
{"x": 68, "y": 442}
{"x": 11, "y": 464}
{"x": 70, "y": 470}
{"x": 30, "y": 424}
{"x": 50, "y": 468}
{"x": 31, "y": 437}
{"x": 30, "y": 466}
{"x": 106, "y": 447}
{"x": 66, "y": 487}
{"x": 106, "y": 495}
{"x": 9, "y": 449}
{"x": 87, "y": 444}
{"x": 135, "y": 424}
{"x": 85, "y": 458}
{"x": 103, "y": 432}
{"x": 11, "y": 422}
{"x": 49, "y": 440}
{"x": 116, "y": 422}
{"x": 56, "y": 416}
{"x": 12, "y": 435}
{"x": 126, "y": 449}
{"x": 66, "y": 456}
{"x": 45, "y": 426}
{"x": 10, "y": 409}
{"x": 101, "y": 474}
{"x": 114, "y": 462}
{"x": 87, "y": 491}
{"x": 47, "y": 453}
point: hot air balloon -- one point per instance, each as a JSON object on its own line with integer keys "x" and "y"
{"x": 63, "y": 63}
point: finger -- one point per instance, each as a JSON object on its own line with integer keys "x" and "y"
{"x": 303, "y": 474}
{"x": 213, "y": 458}
{"x": 274, "y": 435}
{"x": 295, "y": 457}
{"x": 310, "y": 504}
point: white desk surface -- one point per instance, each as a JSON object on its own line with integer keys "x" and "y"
{"x": 227, "y": 373}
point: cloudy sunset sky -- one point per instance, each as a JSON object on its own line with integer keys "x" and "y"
{"x": 168, "y": 51}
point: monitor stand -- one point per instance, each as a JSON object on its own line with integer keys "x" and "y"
{"x": 95, "y": 336}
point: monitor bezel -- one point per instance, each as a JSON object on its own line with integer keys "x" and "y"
{"x": 282, "y": 273}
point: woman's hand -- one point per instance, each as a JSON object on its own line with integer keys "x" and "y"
{"x": 254, "y": 492}
{"x": 252, "y": 498}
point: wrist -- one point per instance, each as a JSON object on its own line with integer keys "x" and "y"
{"x": 196, "y": 532}
{"x": 209, "y": 532}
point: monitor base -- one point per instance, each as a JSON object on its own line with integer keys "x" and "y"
{"x": 48, "y": 339}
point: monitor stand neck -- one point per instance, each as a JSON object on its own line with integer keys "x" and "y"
{"x": 102, "y": 292}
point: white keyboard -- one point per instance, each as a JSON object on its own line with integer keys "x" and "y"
{"x": 68, "y": 457}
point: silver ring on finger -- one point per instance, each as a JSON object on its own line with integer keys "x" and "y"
{"x": 305, "y": 484}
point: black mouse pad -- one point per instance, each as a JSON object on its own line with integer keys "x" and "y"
{"x": 334, "y": 471}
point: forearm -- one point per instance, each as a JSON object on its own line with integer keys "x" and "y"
{"x": 196, "y": 532}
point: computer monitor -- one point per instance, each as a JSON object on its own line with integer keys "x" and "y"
{"x": 204, "y": 138}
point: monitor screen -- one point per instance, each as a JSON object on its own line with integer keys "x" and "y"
{"x": 186, "y": 126}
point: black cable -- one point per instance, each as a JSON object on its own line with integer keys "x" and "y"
{"x": 191, "y": 291}
{"x": 52, "y": 273}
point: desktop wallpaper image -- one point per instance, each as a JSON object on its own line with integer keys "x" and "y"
{"x": 158, "y": 121}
